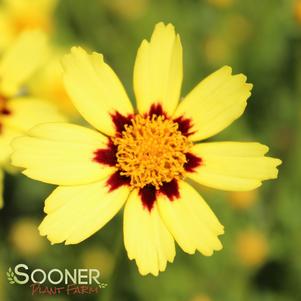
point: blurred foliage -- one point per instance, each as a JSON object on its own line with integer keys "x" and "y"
{"x": 262, "y": 246}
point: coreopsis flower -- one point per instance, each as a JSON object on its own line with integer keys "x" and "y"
{"x": 19, "y": 111}
{"x": 142, "y": 158}
{"x": 19, "y": 15}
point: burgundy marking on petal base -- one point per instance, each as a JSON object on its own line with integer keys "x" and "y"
{"x": 116, "y": 180}
{"x": 171, "y": 189}
{"x": 5, "y": 111}
{"x": 107, "y": 155}
{"x": 185, "y": 124}
{"x": 120, "y": 121}
{"x": 192, "y": 162}
{"x": 149, "y": 193}
{"x": 156, "y": 109}
{"x": 148, "y": 196}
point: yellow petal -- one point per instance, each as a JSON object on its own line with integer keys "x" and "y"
{"x": 42, "y": 7}
{"x": 27, "y": 112}
{"x": 61, "y": 154}
{"x": 6, "y": 30}
{"x": 6, "y": 136}
{"x": 48, "y": 84}
{"x": 215, "y": 103}
{"x": 191, "y": 222}
{"x": 238, "y": 166}
{"x": 1, "y": 187}
{"x": 94, "y": 89}
{"x": 146, "y": 238}
{"x": 158, "y": 71}
{"x": 67, "y": 132}
{"x": 21, "y": 60}
{"x": 74, "y": 213}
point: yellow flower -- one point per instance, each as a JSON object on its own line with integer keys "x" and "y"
{"x": 19, "y": 15}
{"x": 141, "y": 159}
{"x": 18, "y": 111}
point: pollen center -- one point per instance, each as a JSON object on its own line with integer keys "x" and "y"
{"x": 151, "y": 151}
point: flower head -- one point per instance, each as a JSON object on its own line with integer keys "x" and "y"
{"x": 18, "y": 110}
{"x": 17, "y": 16}
{"x": 142, "y": 158}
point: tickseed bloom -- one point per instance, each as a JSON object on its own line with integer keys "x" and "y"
{"x": 18, "y": 110}
{"x": 19, "y": 15}
{"x": 142, "y": 158}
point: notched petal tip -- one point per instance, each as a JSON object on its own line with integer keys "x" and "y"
{"x": 44, "y": 233}
{"x": 226, "y": 69}
{"x": 77, "y": 50}
{"x": 163, "y": 30}
{"x": 278, "y": 162}
{"x": 69, "y": 242}
{"x": 74, "y": 53}
{"x": 242, "y": 77}
{"x": 145, "y": 272}
{"x": 98, "y": 56}
{"x": 275, "y": 163}
{"x": 162, "y": 26}
{"x": 220, "y": 230}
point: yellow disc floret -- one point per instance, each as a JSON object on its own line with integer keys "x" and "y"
{"x": 151, "y": 151}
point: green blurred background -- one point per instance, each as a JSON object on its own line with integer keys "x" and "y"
{"x": 262, "y": 243}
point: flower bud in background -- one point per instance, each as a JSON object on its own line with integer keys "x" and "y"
{"x": 242, "y": 199}
{"x": 216, "y": 50}
{"x": 297, "y": 10}
{"x": 98, "y": 258}
{"x": 251, "y": 247}
{"x": 128, "y": 9}
{"x": 221, "y": 3}
{"x": 25, "y": 237}
{"x": 201, "y": 297}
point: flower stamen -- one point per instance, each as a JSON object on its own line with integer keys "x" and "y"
{"x": 151, "y": 151}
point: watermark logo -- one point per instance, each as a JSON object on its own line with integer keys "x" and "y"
{"x": 10, "y": 276}
{"x": 56, "y": 281}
